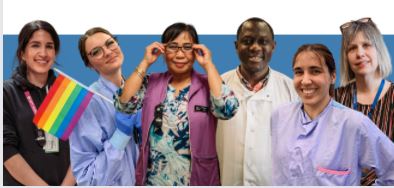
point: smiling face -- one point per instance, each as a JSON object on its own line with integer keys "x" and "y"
{"x": 104, "y": 54}
{"x": 181, "y": 61}
{"x": 255, "y": 45}
{"x": 362, "y": 56}
{"x": 312, "y": 79}
{"x": 39, "y": 53}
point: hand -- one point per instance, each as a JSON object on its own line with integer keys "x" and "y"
{"x": 126, "y": 122}
{"x": 152, "y": 52}
{"x": 203, "y": 55}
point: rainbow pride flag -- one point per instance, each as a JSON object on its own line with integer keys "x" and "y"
{"x": 62, "y": 107}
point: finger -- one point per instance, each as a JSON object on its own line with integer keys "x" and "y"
{"x": 150, "y": 48}
{"x": 161, "y": 47}
{"x": 154, "y": 48}
{"x": 157, "y": 51}
{"x": 196, "y": 46}
{"x": 195, "y": 51}
{"x": 158, "y": 48}
{"x": 201, "y": 47}
{"x": 198, "y": 52}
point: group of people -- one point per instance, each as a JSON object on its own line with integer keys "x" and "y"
{"x": 249, "y": 126}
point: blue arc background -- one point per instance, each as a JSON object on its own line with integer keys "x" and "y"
{"x": 221, "y": 46}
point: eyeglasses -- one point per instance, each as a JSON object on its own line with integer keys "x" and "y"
{"x": 98, "y": 52}
{"x": 346, "y": 25}
{"x": 174, "y": 48}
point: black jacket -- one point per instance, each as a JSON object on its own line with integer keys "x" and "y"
{"x": 19, "y": 132}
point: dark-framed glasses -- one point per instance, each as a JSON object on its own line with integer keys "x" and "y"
{"x": 346, "y": 25}
{"x": 174, "y": 47}
{"x": 98, "y": 52}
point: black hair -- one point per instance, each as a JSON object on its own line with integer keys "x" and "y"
{"x": 255, "y": 20}
{"x": 324, "y": 54}
{"x": 174, "y": 30}
{"x": 27, "y": 32}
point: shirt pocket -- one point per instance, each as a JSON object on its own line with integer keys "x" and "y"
{"x": 206, "y": 169}
{"x": 331, "y": 176}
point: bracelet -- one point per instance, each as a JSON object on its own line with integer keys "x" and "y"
{"x": 139, "y": 72}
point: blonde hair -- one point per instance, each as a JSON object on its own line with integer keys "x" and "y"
{"x": 373, "y": 35}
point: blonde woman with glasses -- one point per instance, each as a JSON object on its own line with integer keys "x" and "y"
{"x": 365, "y": 65}
{"x": 103, "y": 147}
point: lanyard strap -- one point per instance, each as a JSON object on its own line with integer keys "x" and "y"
{"x": 31, "y": 103}
{"x": 375, "y": 100}
{"x": 30, "y": 100}
{"x": 41, "y": 136}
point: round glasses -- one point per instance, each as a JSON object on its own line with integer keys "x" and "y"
{"x": 98, "y": 52}
{"x": 174, "y": 47}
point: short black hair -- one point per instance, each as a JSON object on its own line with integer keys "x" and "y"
{"x": 254, "y": 19}
{"x": 174, "y": 30}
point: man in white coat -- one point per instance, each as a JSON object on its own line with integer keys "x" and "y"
{"x": 244, "y": 142}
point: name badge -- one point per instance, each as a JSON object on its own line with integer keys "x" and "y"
{"x": 51, "y": 144}
{"x": 198, "y": 108}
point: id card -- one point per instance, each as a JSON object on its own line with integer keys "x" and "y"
{"x": 51, "y": 144}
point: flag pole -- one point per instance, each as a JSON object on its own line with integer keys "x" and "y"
{"x": 69, "y": 77}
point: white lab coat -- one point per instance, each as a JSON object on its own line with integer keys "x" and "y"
{"x": 244, "y": 142}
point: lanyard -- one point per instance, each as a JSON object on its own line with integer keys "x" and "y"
{"x": 30, "y": 100}
{"x": 31, "y": 103}
{"x": 375, "y": 100}
{"x": 40, "y": 133}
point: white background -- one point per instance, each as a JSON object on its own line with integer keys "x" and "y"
{"x": 209, "y": 16}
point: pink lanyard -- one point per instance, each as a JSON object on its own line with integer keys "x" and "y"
{"x": 31, "y": 103}
{"x": 30, "y": 100}
{"x": 40, "y": 133}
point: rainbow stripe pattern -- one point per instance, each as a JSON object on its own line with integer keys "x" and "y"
{"x": 62, "y": 107}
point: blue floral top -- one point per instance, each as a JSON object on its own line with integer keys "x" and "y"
{"x": 169, "y": 161}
